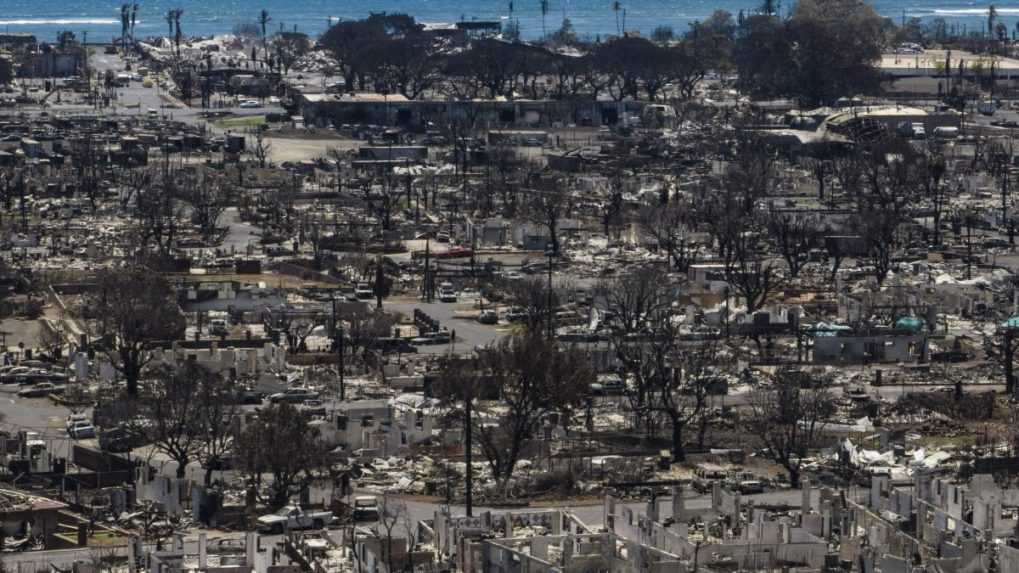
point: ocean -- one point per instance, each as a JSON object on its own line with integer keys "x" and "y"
{"x": 590, "y": 18}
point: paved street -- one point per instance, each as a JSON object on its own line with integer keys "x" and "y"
{"x": 136, "y": 99}
{"x": 469, "y": 332}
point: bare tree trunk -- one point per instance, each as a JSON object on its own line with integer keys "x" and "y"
{"x": 678, "y": 453}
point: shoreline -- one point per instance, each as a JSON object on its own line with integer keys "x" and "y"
{"x": 589, "y": 25}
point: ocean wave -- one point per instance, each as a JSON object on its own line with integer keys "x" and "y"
{"x": 59, "y": 22}
{"x": 973, "y": 11}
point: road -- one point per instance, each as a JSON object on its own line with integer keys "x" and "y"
{"x": 469, "y": 332}
{"x": 38, "y": 415}
{"x": 141, "y": 99}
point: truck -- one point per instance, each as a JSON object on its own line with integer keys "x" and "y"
{"x": 292, "y": 517}
{"x": 365, "y": 508}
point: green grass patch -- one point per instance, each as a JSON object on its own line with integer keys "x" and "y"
{"x": 247, "y": 121}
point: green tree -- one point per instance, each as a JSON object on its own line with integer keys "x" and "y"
{"x": 565, "y": 35}
{"x": 663, "y": 34}
{"x": 826, "y": 50}
{"x": 837, "y": 46}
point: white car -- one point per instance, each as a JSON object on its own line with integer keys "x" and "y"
{"x": 250, "y": 104}
{"x": 293, "y": 517}
{"x": 75, "y": 419}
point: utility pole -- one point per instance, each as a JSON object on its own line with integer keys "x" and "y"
{"x": 428, "y": 270}
{"x": 469, "y": 476}
{"x": 550, "y": 252}
{"x": 338, "y": 338}
{"x": 1008, "y": 354}
{"x": 88, "y": 74}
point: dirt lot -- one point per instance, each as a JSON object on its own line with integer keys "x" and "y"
{"x": 292, "y": 148}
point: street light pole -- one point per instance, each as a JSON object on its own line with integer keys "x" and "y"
{"x": 550, "y": 252}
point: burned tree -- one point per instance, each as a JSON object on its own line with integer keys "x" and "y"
{"x": 172, "y": 399}
{"x": 891, "y": 181}
{"x": 217, "y": 422}
{"x": 127, "y": 313}
{"x": 820, "y": 168}
{"x": 547, "y": 207}
{"x": 751, "y": 174}
{"x": 363, "y": 328}
{"x": 280, "y": 442}
{"x": 636, "y": 299}
{"x": 789, "y": 419}
{"x": 533, "y": 301}
{"x": 668, "y": 380}
{"x": 207, "y": 196}
{"x": 934, "y": 189}
{"x": 157, "y": 214}
{"x": 794, "y": 237}
{"x": 533, "y": 378}
{"x": 669, "y": 226}
{"x": 748, "y": 270}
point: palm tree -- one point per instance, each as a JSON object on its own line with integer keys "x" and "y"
{"x": 992, "y": 15}
{"x": 264, "y": 19}
{"x": 177, "y": 35}
{"x": 544, "y": 12}
{"x": 134, "y": 19}
{"x": 616, "y": 7}
{"x": 169, "y": 21}
{"x": 125, "y": 19}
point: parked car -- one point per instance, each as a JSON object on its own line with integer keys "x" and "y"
{"x": 81, "y": 430}
{"x": 249, "y": 104}
{"x": 10, "y": 376}
{"x": 952, "y": 356}
{"x": 349, "y": 293}
{"x": 121, "y": 439}
{"x": 74, "y": 419}
{"x": 390, "y": 345}
{"x": 294, "y": 396}
{"x": 987, "y": 107}
{"x": 364, "y": 290}
{"x": 313, "y": 408}
{"x": 41, "y": 375}
{"x": 247, "y": 397}
{"x": 488, "y": 317}
{"x": 40, "y": 390}
{"x": 607, "y": 387}
{"x": 750, "y": 487}
{"x": 431, "y": 338}
{"x": 293, "y": 517}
